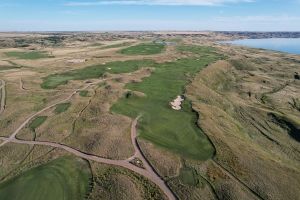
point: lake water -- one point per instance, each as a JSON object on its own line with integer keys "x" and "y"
{"x": 288, "y": 45}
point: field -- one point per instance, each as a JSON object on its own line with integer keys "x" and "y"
{"x": 37, "y": 122}
{"x": 67, "y": 177}
{"x": 174, "y": 130}
{"x": 84, "y": 93}
{"x": 188, "y": 176}
{"x": 124, "y": 44}
{"x": 32, "y": 55}
{"x": 143, "y": 49}
{"x": 146, "y": 115}
{"x": 60, "y": 108}
{"x": 95, "y": 71}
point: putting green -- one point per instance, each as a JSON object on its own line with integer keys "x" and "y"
{"x": 66, "y": 178}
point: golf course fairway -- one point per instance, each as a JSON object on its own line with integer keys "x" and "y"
{"x": 160, "y": 124}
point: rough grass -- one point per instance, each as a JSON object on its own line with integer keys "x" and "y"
{"x": 64, "y": 178}
{"x": 143, "y": 49}
{"x": 31, "y": 55}
{"x": 106, "y": 185}
{"x": 124, "y": 44}
{"x": 60, "y": 108}
{"x": 84, "y": 93}
{"x": 95, "y": 71}
{"x": 38, "y": 121}
{"x": 174, "y": 130}
{"x": 196, "y": 49}
{"x": 3, "y": 68}
{"x": 188, "y": 176}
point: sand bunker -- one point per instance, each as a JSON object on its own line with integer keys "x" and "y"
{"x": 176, "y": 103}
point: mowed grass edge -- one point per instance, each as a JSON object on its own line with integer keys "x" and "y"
{"x": 64, "y": 178}
{"x": 28, "y": 55}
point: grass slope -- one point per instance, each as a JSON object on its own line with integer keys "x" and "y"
{"x": 84, "y": 93}
{"x": 174, "y": 130}
{"x": 143, "y": 49}
{"x": 188, "y": 176}
{"x": 94, "y": 71}
{"x": 32, "y": 55}
{"x": 37, "y": 122}
{"x": 60, "y": 108}
{"x": 124, "y": 44}
{"x": 65, "y": 178}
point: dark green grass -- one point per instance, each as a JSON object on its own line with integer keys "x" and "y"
{"x": 174, "y": 130}
{"x": 188, "y": 176}
{"x": 38, "y": 121}
{"x": 66, "y": 178}
{"x": 30, "y": 55}
{"x": 143, "y": 49}
{"x": 84, "y": 93}
{"x": 94, "y": 71}
{"x": 63, "y": 107}
{"x": 3, "y": 68}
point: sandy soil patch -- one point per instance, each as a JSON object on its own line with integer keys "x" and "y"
{"x": 176, "y": 103}
{"x": 75, "y": 61}
{"x": 17, "y": 74}
{"x": 4, "y": 63}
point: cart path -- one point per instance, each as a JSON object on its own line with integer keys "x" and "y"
{"x": 148, "y": 172}
{"x": 13, "y": 135}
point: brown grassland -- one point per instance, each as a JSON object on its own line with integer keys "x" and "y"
{"x": 247, "y": 104}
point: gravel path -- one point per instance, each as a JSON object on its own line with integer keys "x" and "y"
{"x": 3, "y": 96}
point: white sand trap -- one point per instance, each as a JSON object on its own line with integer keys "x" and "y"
{"x": 176, "y": 103}
{"x": 76, "y": 61}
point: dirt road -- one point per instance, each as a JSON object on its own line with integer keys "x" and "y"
{"x": 3, "y": 96}
{"x": 148, "y": 172}
{"x": 139, "y": 154}
{"x": 13, "y": 135}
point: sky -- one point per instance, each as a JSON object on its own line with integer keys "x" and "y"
{"x": 142, "y": 15}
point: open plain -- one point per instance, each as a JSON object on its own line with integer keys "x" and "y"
{"x": 146, "y": 115}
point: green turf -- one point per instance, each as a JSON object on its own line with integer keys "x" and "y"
{"x": 188, "y": 176}
{"x": 94, "y": 71}
{"x": 84, "y": 93}
{"x": 29, "y": 55}
{"x": 143, "y": 49}
{"x": 60, "y": 108}
{"x": 174, "y": 130}
{"x": 66, "y": 178}
{"x": 37, "y": 122}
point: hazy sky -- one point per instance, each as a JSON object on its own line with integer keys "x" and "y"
{"x": 102, "y": 15}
